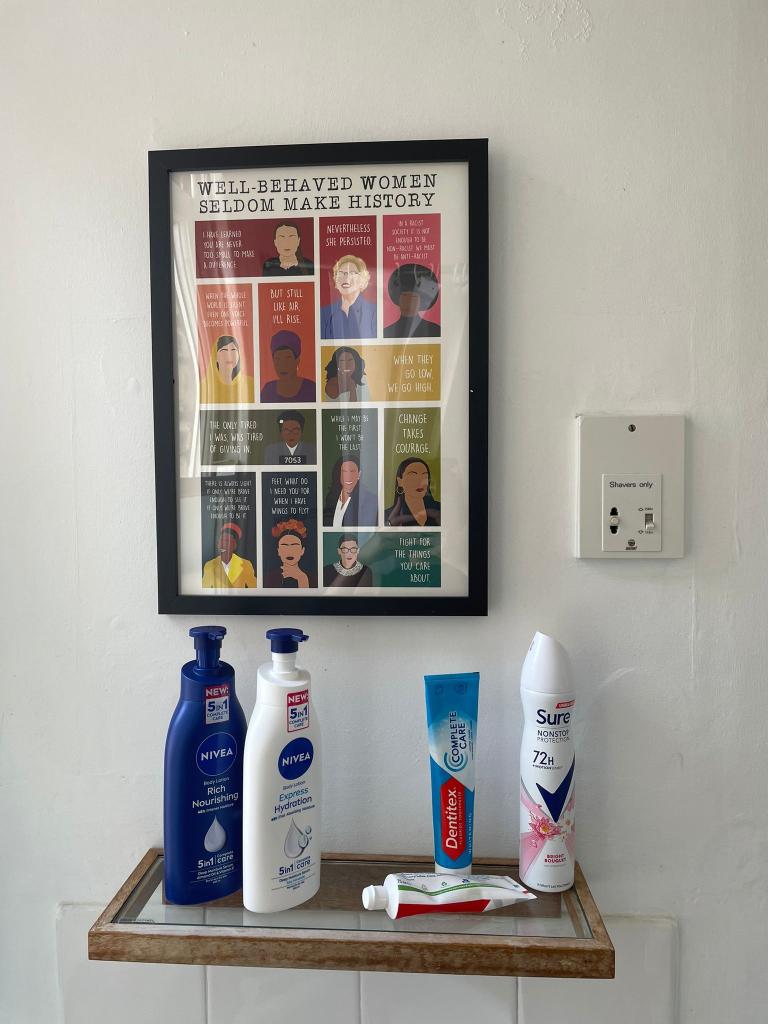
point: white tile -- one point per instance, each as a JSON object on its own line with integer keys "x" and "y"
{"x": 437, "y": 998}
{"x": 267, "y": 995}
{"x": 120, "y": 993}
{"x": 644, "y": 990}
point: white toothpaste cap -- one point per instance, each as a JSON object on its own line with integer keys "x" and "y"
{"x": 375, "y": 897}
{"x": 546, "y": 668}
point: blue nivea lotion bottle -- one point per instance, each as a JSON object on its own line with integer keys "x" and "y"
{"x": 202, "y": 799}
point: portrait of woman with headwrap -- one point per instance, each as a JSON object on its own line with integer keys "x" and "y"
{"x": 228, "y": 569}
{"x": 286, "y": 355}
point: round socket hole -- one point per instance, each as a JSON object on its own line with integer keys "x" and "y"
{"x": 631, "y": 428}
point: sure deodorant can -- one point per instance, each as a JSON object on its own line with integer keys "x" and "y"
{"x": 547, "y": 762}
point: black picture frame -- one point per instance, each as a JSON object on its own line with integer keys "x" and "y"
{"x": 161, "y": 165}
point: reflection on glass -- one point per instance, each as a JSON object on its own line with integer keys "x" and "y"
{"x": 338, "y": 906}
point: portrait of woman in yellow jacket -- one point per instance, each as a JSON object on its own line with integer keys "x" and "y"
{"x": 228, "y": 569}
{"x": 225, "y": 383}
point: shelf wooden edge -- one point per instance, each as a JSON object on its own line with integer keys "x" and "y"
{"x": 346, "y": 951}
{"x": 594, "y": 918}
{"x": 328, "y": 949}
{"x": 107, "y": 916}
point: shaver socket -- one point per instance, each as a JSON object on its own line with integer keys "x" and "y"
{"x": 630, "y": 486}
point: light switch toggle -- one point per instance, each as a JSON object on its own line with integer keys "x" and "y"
{"x": 650, "y": 526}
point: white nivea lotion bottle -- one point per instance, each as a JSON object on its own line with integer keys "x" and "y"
{"x": 547, "y": 762}
{"x": 281, "y": 784}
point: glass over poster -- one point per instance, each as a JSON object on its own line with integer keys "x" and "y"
{"x": 320, "y": 322}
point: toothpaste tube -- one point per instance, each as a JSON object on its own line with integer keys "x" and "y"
{"x": 404, "y": 895}
{"x": 452, "y": 725}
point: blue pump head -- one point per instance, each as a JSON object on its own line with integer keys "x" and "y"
{"x": 207, "y": 644}
{"x": 286, "y": 641}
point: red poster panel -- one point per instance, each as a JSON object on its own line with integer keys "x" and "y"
{"x": 254, "y": 248}
{"x": 348, "y": 275}
{"x": 287, "y": 341}
{"x": 411, "y": 245}
{"x": 225, "y": 342}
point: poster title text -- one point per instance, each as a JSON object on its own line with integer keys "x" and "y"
{"x": 326, "y": 192}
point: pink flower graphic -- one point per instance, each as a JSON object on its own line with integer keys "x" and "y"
{"x": 543, "y": 828}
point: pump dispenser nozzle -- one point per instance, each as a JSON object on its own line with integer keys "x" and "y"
{"x": 286, "y": 641}
{"x": 207, "y": 645}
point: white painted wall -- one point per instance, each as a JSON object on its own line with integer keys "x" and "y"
{"x": 628, "y": 217}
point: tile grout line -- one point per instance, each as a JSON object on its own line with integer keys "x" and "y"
{"x": 360, "y": 996}
{"x": 206, "y": 1007}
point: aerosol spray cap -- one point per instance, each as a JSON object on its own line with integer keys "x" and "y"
{"x": 546, "y": 668}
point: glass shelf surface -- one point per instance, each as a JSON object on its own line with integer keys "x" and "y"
{"x": 338, "y": 906}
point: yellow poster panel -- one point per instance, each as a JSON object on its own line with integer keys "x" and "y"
{"x": 381, "y": 373}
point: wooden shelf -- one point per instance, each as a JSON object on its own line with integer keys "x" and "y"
{"x": 559, "y": 935}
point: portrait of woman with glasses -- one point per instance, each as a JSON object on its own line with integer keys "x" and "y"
{"x": 348, "y": 570}
{"x": 351, "y": 315}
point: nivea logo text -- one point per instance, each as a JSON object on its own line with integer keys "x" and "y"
{"x": 295, "y": 758}
{"x": 217, "y": 753}
{"x": 207, "y": 755}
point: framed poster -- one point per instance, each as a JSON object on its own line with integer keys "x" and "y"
{"x": 320, "y": 364}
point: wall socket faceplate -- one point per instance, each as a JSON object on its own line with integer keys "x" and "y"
{"x": 630, "y": 486}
